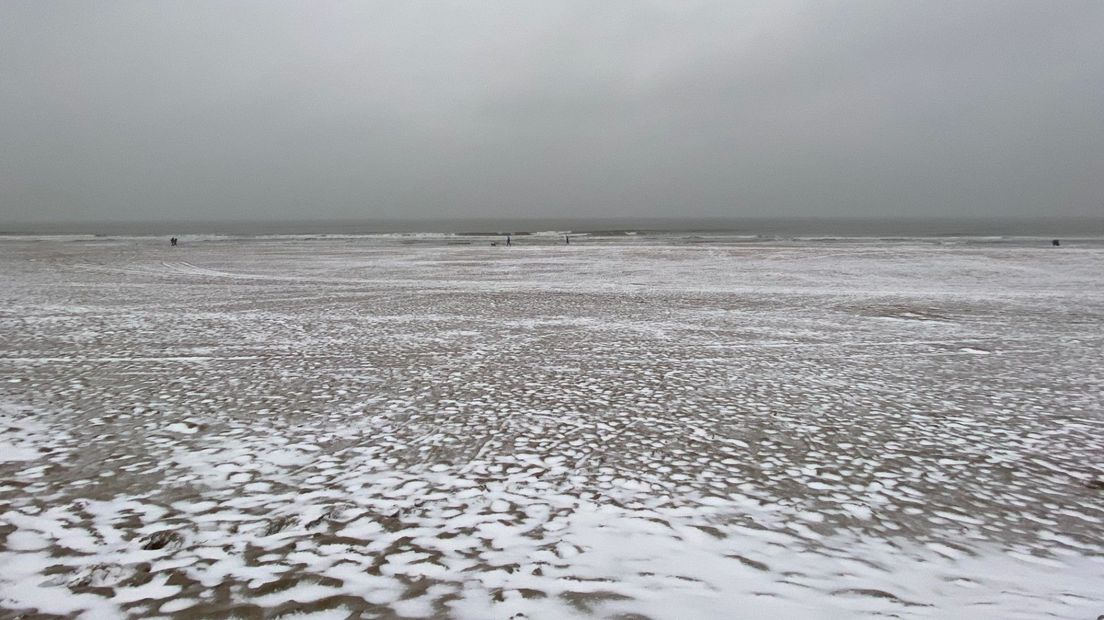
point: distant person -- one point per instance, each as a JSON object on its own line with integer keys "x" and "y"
{"x": 567, "y": 240}
{"x": 1055, "y": 243}
{"x": 508, "y": 243}
{"x": 172, "y": 242}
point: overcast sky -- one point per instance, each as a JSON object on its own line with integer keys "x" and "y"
{"x": 238, "y": 110}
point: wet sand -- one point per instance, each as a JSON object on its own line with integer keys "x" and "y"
{"x": 365, "y": 428}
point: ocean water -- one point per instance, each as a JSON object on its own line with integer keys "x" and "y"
{"x": 977, "y": 230}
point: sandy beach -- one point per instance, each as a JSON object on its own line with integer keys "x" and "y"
{"x": 373, "y": 427}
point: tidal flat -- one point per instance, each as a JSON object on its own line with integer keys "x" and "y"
{"x": 383, "y": 427}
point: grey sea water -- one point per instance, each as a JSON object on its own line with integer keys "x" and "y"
{"x": 751, "y": 228}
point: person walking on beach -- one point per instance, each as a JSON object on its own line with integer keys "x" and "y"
{"x": 567, "y": 240}
{"x": 172, "y": 242}
{"x": 507, "y": 240}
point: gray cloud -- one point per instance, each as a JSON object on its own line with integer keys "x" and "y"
{"x": 198, "y": 110}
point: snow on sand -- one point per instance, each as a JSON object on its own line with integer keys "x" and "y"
{"x": 361, "y": 428}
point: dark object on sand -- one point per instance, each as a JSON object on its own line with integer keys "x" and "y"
{"x": 567, "y": 240}
{"x": 160, "y": 540}
{"x": 1055, "y": 243}
{"x": 172, "y": 242}
{"x": 508, "y": 243}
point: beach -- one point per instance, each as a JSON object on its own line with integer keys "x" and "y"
{"x": 432, "y": 426}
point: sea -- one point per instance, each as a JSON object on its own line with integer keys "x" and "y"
{"x": 1034, "y": 230}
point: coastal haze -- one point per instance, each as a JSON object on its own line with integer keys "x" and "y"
{"x": 568, "y": 109}
{"x": 498, "y": 310}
